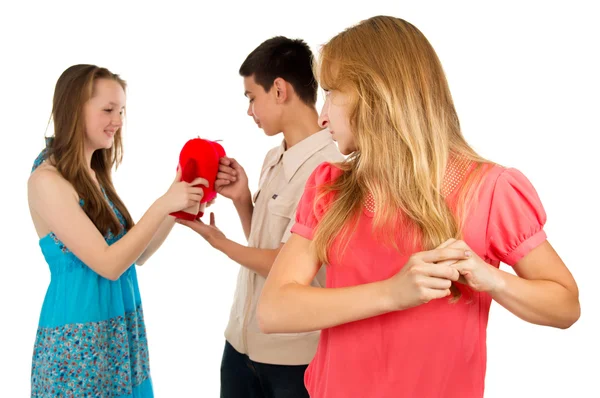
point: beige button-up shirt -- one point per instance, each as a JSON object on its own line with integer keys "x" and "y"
{"x": 283, "y": 177}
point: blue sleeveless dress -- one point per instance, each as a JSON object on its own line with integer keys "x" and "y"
{"x": 91, "y": 339}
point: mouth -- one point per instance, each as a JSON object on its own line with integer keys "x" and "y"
{"x": 110, "y": 133}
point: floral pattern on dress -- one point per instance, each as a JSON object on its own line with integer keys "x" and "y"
{"x": 95, "y": 359}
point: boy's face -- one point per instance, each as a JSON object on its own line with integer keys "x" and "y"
{"x": 262, "y": 106}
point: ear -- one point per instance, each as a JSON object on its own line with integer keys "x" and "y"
{"x": 281, "y": 90}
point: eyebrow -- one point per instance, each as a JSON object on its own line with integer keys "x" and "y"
{"x": 246, "y": 93}
{"x": 115, "y": 104}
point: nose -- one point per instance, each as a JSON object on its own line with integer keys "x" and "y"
{"x": 324, "y": 116}
{"x": 117, "y": 121}
{"x": 250, "y": 110}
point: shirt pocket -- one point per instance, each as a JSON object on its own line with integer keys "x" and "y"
{"x": 282, "y": 211}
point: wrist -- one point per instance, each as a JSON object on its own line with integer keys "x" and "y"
{"x": 499, "y": 281}
{"x": 220, "y": 243}
{"x": 243, "y": 200}
{"x": 160, "y": 207}
{"x": 385, "y": 297}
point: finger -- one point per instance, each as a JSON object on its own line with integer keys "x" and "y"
{"x": 196, "y": 191}
{"x": 446, "y": 243}
{"x": 195, "y": 225}
{"x": 220, "y": 184}
{"x": 463, "y": 267}
{"x": 439, "y": 293}
{"x": 227, "y": 170}
{"x": 199, "y": 181}
{"x": 226, "y": 176}
{"x": 436, "y": 283}
{"x": 236, "y": 166}
{"x": 178, "y": 175}
{"x": 446, "y": 263}
{"x": 212, "y": 219}
{"x": 225, "y": 160}
{"x": 447, "y": 253}
{"x": 441, "y": 271}
{"x": 466, "y": 273}
{"x": 459, "y": 244}
{"x": 195, "y": 198}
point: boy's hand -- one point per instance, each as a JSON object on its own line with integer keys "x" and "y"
{"x": 232, "y": 181}
{"x": 210, "y": 232}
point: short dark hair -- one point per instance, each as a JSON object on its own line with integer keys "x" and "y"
{"x": 289, "y": 59}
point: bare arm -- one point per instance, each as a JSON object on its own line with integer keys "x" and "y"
{"x": 257, "y": 260}
{"x": 544, "y": 292}
{"x": 54, "y": 201}
{"x": 157, "y": 240}
{"x": 165, "y": 228}
{"x": 245, "y": 209}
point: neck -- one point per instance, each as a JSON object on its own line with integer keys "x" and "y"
{"x": 302, "y": 123}
{"x": 88, "y": 152}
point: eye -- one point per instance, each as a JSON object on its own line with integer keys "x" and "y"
{"x": 251, "y": 100}
{"x": 108, "y": 110}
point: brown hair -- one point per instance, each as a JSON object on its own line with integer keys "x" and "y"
{"x": 66, "y": 149}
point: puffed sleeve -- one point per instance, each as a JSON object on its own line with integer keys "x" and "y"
{"x": 308, "y": 212}
{"x": 516, "y": 219}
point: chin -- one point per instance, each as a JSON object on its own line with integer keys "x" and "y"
{"x": 271, "y": 133}
{"x": 106, "y": 145}
{"x": 344, "y": 150}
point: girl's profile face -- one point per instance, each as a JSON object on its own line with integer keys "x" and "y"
{"x": 104, "y": 114}
{"x": 334, "y": 116}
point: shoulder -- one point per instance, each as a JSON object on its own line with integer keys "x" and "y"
{"x": 324, "y": 173}
{"x": 501, "y": 178}
{"x": 46, "y": 182}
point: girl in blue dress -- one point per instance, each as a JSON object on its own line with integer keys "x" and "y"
{"x": 91, "y": 340}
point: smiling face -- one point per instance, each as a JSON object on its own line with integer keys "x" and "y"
{"x": 104, "y": 114}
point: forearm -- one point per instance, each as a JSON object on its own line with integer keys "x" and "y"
{"x": 122, "y": 254}
{"x": 295, "y": 308}
{"x": 157, "y": 240}
{"x": 245, "y": 208}
{"x": 257, "y": 260}
{"x": 540, "y": 302}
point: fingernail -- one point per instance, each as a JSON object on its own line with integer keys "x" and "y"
{"x": 468, "y": 253}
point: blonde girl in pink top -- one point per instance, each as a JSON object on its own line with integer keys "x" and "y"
{"x": 412, "y": 227}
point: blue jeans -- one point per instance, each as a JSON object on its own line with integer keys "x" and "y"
{"x": 244, "y": 378}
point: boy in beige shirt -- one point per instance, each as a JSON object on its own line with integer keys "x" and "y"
{"x": 282, "y": 90}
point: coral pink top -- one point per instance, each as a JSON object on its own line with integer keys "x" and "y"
{"x": 434, "y": 350}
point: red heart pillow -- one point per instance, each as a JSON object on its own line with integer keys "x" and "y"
{"x": 200, "y": 158}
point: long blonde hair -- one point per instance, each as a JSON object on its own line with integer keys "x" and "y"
{"x": 406, "y": 132}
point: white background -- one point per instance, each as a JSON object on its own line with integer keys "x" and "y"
{"x": 524, "y": 77}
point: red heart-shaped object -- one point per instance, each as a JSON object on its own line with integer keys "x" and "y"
{"x": 200, "y": 158}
